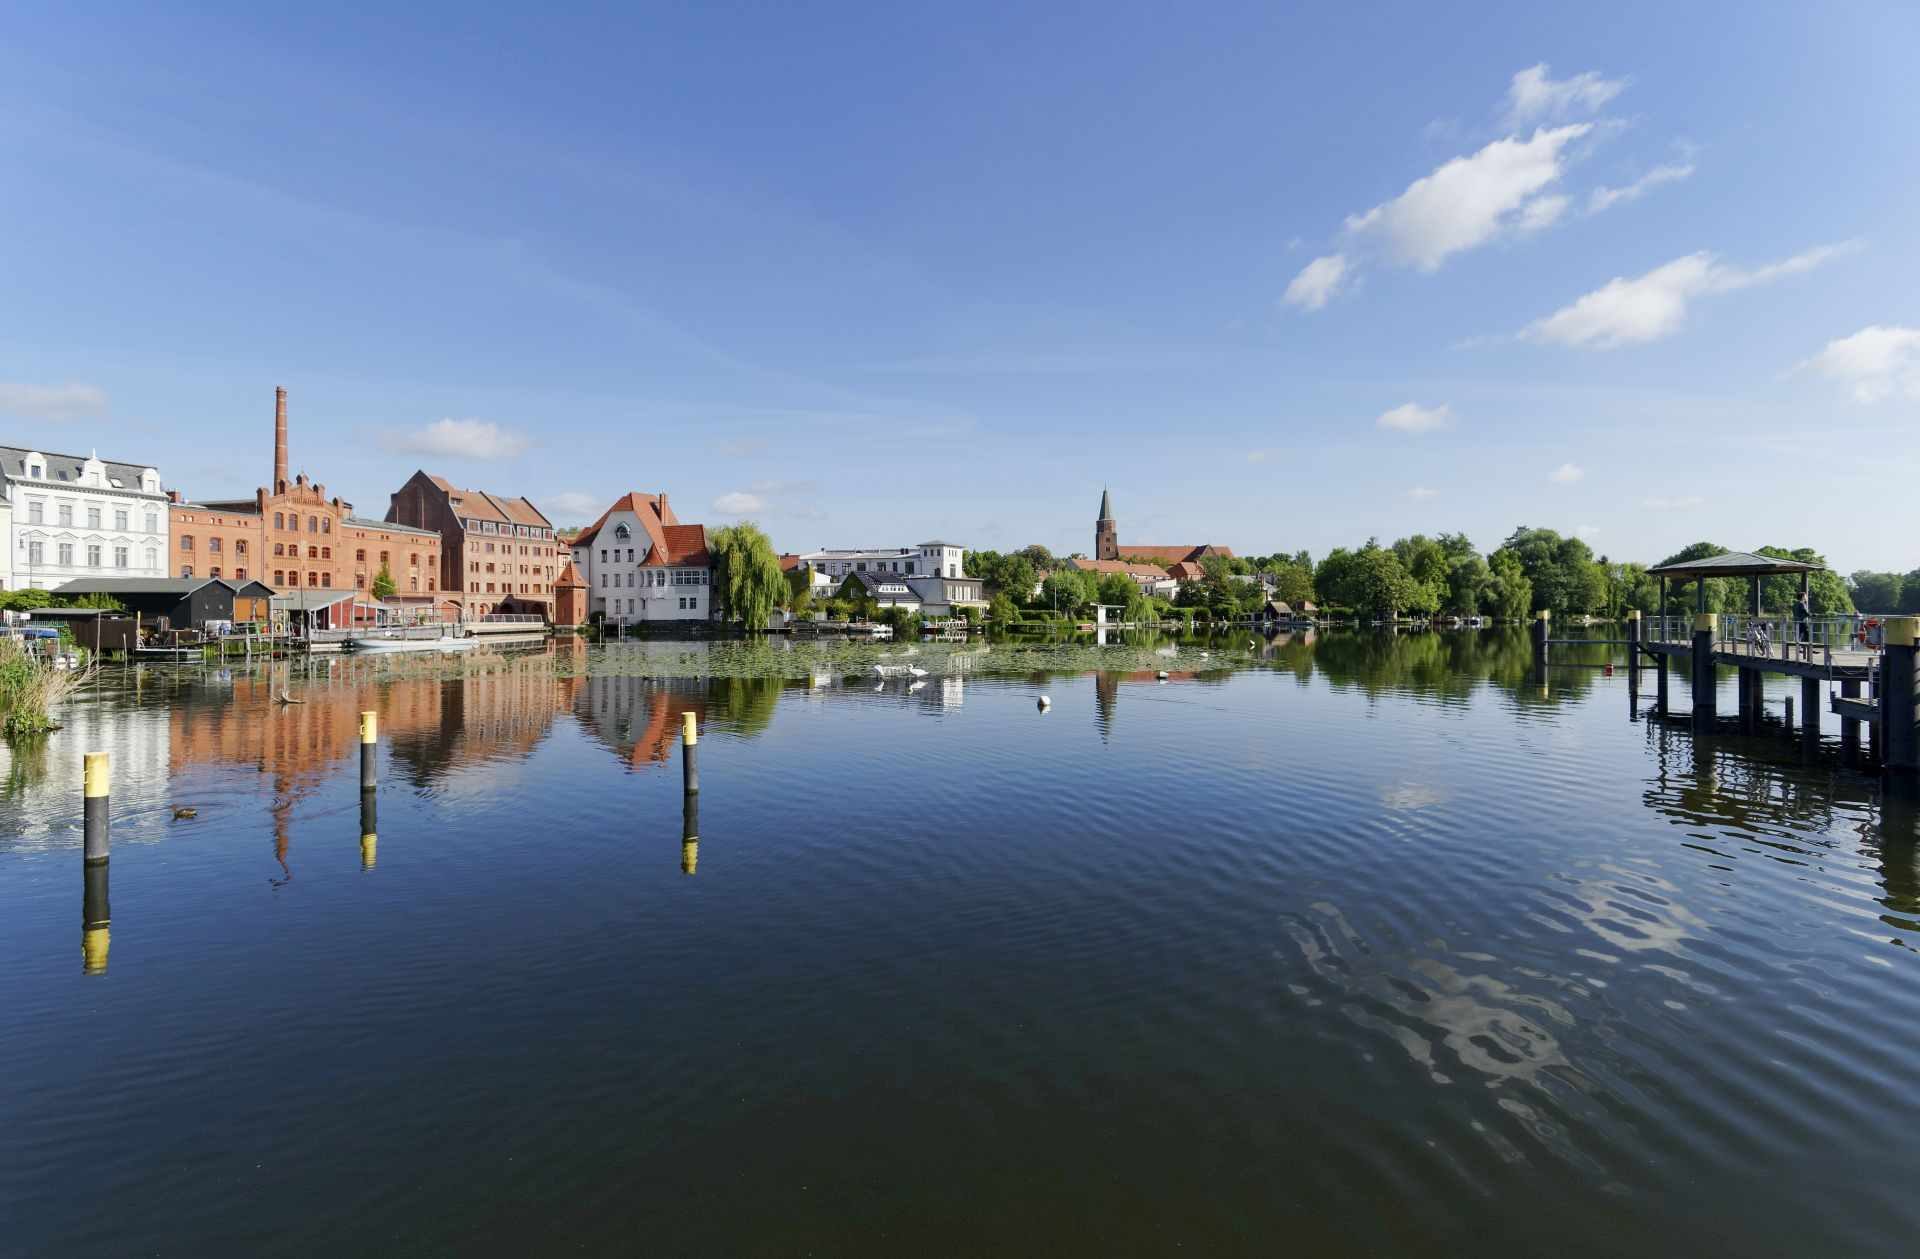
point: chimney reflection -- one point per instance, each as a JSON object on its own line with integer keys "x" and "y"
{"x": 95, "y": 920}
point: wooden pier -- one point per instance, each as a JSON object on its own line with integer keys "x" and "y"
{"x": 1871, "y": 661}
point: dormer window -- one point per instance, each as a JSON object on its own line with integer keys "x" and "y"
{"x": 622, "y": 532}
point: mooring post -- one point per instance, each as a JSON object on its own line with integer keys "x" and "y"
{"x": 1705, "y": 704}
{"x": 689, "y": 752}
{"x": 95, "y": 919}
{"x": 1660, "y": 682}
{"x": 369, "y": 751}
{"x": 1810, "y": 698}
{"x": 96, "y": 810}
{"x": 1900, "y": 756}
{"x": 690, "y": 832}
{"x": 369, "y": 827}
{"x": 1789, "y": 717}
{"x": 1850, "y": 726}
{"x": 1542, "y": 622}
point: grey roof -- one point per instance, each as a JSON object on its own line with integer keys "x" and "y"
{"x": 873, "y": 581}
{"x": 308, "y": 600}
{"x": 137, "y": 585}
{"x": 13, "y": 461}
{"x": 362, "y": 522}
{"x": 1734, "y": 564}
{"x": 937, "y": 542}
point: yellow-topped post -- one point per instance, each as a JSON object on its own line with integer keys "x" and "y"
{"x": 1705, "y": 703}
{"x": 690, "y": 834}
{"x": 1898, "y": 707}
{"x": 96, "y": 809}
{"x": 369, "y": 751}
{"x": 1542, "y": 624}
{"x": 689, "y": 748}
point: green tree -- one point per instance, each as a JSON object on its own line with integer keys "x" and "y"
{"x": 1826, "y": 590}
{"x": 1467, "y": 579}
{"x": 1068, "y": 590}
{"x": 383, "y": 586}
{"x": 1509, "y": 592}
{"x": 1002, "y": 610}
{"x": 800, "y": 590}
{"x": 1564, "y": 576}
{"x": 746, "y": 574}
{"x": 1877, "y": 592}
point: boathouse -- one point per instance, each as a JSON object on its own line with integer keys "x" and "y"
{"x": 182, "y": 602}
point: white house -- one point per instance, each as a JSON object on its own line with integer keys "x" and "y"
{"x": 76, "y": 517}
{"x": 942, "y": 596}
{"x": 939, "y": 559}
{"x": 888, "y": 591}
{"x": 642, "y": 565}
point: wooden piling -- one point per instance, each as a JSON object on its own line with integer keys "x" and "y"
{"x": 1542, "y": 624}
{"x": 1850, "y": 726}
{"x": 689, "y": 752}
{"x": 1705, "y": 704}
{"x": 96, "y": 808}
{"x": 1810, "y": 704}
{"x": 1900, "y": 755}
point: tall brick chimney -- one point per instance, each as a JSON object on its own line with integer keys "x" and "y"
{"x": 279, "y": 437}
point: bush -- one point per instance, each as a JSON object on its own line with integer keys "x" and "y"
{"x": 29, "y": 688}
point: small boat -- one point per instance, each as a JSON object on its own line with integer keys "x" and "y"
{"x": 412, "y": 644}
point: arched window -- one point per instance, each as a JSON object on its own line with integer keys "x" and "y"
{"x": 279, "y": 548}
{"x": 326, "y": 552}
{"x": 313, "y": 552}
{"x": 313, "y": 524}
{"x": 622, "y": 532}
{"x": 326, "y": 524}
{"x": 313, "y": 579}
{"x": 279, "y": 520}
{"x": 239, "y": 574}
{"x": 279, "y": 577}
{"x": 240, "y": 546}
{"x": 326, "y": 579}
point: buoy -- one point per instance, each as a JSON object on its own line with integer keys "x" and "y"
{"x": 1609, "y": 670}
{"x": 1162, "y": 675}
{"x": 1045, "y": 703}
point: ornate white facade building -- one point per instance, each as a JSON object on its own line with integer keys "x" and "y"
{"x": 75, "y": 517}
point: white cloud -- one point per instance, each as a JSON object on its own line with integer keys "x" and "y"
{"x": 574, "y": 505}
{"x": 1604, "y": 198}
{"x": 1541, "y": 212}
{"x": 1468, "y": 201}
{"x": 1682, "y": 502}
{"x": 1877, "y": 362}
{"x": 739, "y": 503}
{"x": 1421, "y": 492}
{"x": 1568, "y": 473}
{"x": 1535, "y": 94}
{"x": 458, "y": 439}
{"x": 1411, "y": 417}
{"x": 1654, "y": 305}
{"x": 1588, "y": 531}
{"x": 1318, "y": 281}
{"x": 51, "y": 402}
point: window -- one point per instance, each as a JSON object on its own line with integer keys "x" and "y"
{"x": 119, "y": 557}
{"x": 153, "y": 558}
{"x": 36, "y": 552}
{"x": 909, "y": 567}
{"x": 360, "y": 556}
{"x": 383, "y": 557}
{"x": 213, "y": 545}
{"x": 603, "y": 550}
{"x": 313, "y": 552}
{"x": 153, "y": 522}
{"x": 120, "y": 520}
{"x": 93, "y": 555}
{"x": 240, "y": 546}
{"x": 36, "y": 512}
{"x": 326, "y": 552}
{"x": 326, "y": 579}
{"x": 66, "y": 513}
{"x": 279, "y": 520}
{"x": 413, "y": 559}
{"x": 279, "y": 548}
{"x": 279, "y": 577}
{"x": 186, "y": 570}
{"x": 93, "y": 517}
{"x": 622, "y": 532}
{"x": 239, "y": 574}
{"x": 360, "y": 580}
{"x": 313, "y": 524}
{"x": 214, "y": 571}
{"x": 313, "y": 579}
{"x": 186, "y": 542}
{"x": 326, "y": 524}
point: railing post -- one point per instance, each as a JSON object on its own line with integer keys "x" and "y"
{"x": 1901, "y": 758}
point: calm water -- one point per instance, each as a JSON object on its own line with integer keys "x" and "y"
{"x": 1368, "y": 944}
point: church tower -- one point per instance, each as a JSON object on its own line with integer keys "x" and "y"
{"x": 1106, "y": 534}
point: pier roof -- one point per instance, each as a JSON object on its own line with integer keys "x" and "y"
{"x": 1734, "y": 564}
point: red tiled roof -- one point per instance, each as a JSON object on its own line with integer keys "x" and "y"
{"x": 480, "y": 505}
{"x": 1118, "y": 566}
{"x": 685, "y": 545}
{"x": 1186, "y": 570}
{"x": 652, "y": 510}
{"x": 568, "y": 578}
{"x": 1174, "y": 554}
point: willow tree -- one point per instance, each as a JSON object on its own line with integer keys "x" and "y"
{"x": 746, "y": 574}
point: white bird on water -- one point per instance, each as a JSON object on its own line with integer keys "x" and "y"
{"x": 1045, "y": 703}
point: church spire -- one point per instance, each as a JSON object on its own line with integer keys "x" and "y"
{"x": 1106, "y": 505}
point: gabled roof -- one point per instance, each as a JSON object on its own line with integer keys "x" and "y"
{"x": 1176, "y": 553}
{"x": 683, "y": 545}
{"x": 140, "y": 585}
{"x": 875, "y": 581}
{"x": 13, "y": 461}
{"x": 569, "y": 578}
{"x": 650, "y": 508}
{"x": 499, "y": 508}
{"x": 1124, "y": 567}
{"x": 1734, "y": 564}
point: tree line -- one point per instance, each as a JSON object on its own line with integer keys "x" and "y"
{"x": 1533, "y": 569}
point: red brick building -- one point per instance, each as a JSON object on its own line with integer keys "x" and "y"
{"x": 497, "y": 554}
{"x": 292, "y": 536}
{"x": 569, "y": 597}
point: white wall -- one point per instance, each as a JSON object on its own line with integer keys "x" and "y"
{"x": 80, "y": 521}
{"x": 628, "y": 590}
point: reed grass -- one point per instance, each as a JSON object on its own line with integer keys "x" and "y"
{"x": 30, "y": 688}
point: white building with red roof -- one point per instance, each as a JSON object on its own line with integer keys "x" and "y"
{"x": 642, "y": 566}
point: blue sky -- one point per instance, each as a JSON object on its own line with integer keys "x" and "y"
{"x": 1281, "y": 278}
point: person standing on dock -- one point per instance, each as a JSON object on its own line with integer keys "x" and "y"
{"x": 1803, "y": 617}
